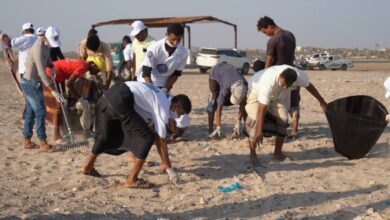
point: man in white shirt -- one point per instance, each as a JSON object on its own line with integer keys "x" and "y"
{"x": 23, "y": 43}
{"x": 141, "y": 42}
{"x": 165, "y": 60}
{"x": 267, "y": 105}
{"x": 131, "y": 116}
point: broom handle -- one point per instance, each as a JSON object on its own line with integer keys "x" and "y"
{"x": 62, "y": 107}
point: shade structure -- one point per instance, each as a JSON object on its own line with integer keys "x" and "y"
{"x": 162, "y": 22}
{"x": 356, "y": 123}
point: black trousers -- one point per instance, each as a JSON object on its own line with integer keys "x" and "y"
{"x": 119, "y": 128}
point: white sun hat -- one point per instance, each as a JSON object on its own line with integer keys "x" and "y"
{"x": 137, "y": 26}
{"x": 53, "y": 36}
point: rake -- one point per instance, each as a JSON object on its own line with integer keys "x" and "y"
{"x": 72, "y": 144}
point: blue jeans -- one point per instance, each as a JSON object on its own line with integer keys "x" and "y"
{"x": 35, "y": 108}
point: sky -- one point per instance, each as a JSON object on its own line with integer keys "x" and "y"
{"x": 317, "y": 23}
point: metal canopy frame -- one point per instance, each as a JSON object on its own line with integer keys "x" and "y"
{"x": 165, "y": 22}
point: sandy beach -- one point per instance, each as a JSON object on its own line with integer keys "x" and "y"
{"x": 318, "y": 184}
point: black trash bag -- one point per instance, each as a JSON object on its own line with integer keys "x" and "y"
{"x": 356, "y": 123}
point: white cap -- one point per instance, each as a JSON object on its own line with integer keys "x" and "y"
{"x": 387, "y": 87}
{"x": 137, "y": 26}
{"x": 41, "y": 31}
{"x": 238, "y": 92}
{"x": 27, "y": 25}
{"x": 53, "y": 36}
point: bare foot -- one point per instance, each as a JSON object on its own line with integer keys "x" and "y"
{"x": 91, "y": 172}
{"x": 45, "y": 147}
{"x": 280, "y": 157}
{"x": 139, "y": 183}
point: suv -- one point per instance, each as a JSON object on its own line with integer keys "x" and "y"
{"x": 209, "y": 57}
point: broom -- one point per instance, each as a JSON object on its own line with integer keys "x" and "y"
{"x": 72, "y": 143}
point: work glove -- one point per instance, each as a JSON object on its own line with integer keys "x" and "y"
{"x": 173, "y": 177}
{"x": 236, "y": 130}
{"x": 58, "y": 96}
{"x": 216, "y": 132}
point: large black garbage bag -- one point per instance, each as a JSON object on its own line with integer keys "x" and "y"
{"x": 356, "y": 123}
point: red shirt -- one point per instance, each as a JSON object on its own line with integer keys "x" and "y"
{"x": 66, "y": 68}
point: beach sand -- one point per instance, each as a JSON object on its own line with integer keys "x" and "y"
{"x": 318, "y": 184}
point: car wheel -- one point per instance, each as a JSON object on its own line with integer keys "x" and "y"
{"x": 203, "y": 70}
{"x": 344, "y": 67}
{"x": 245, "y": 69}
{"x": 322, "y": 67}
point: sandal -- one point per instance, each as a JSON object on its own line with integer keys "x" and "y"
{"x": 93, "y": 173}
{"x": 141, "y": 184}
{"x": 31, "y": 145}
{"x": 49, "y": 149}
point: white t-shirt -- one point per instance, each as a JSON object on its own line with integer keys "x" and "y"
{"x": 128, "y": 53}
{"x": 181, "y": 122}
{"x": 162, "y": 64}
{"x": 265, "y": 84}
{"x": 151, "y": 104}
{"x": 23, "y": 43}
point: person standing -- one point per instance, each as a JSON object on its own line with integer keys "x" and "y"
{"x": 23, "y": 44}
{"x": 5, "y": 45}
{"x": 281, "y": 50}
{"x": 128, "y": 56}
{"x": 38, "y": 58}
{"x": 165, "y": 60}
{"x": 141, "y": 42}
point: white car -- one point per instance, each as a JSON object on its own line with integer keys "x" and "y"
{"x": 209, "y": 57}
{"x": 335, "y": 62}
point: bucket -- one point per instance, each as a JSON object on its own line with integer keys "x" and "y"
{"x": 356, "y": 123}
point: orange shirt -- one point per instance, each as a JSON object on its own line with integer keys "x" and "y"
{"x": 66, "y": 68}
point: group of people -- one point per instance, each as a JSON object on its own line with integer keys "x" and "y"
{"x": 130, "y": 116}
{"x": 267, "y": 98}
{"x": 134, "y": 114}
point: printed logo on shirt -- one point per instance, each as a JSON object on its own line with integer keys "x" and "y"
{"x": 162, "y": 68}
{"x": 150, "y": 55}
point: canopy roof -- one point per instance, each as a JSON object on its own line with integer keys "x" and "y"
{"x": 165, "y": 22}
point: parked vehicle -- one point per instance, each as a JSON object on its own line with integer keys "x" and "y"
{"x": 209, "y": 57}
{"x": 335, "y": 62}
{"x": 315, "y": 60}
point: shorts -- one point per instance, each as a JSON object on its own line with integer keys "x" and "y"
{"x": 119, "y": 128}
{"x": 275, "y": 123}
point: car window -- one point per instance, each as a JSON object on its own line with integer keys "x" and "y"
{"x": 224, "y": 52}
{"x": 208, "y": 51}
{"x": 235, "y": 54}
